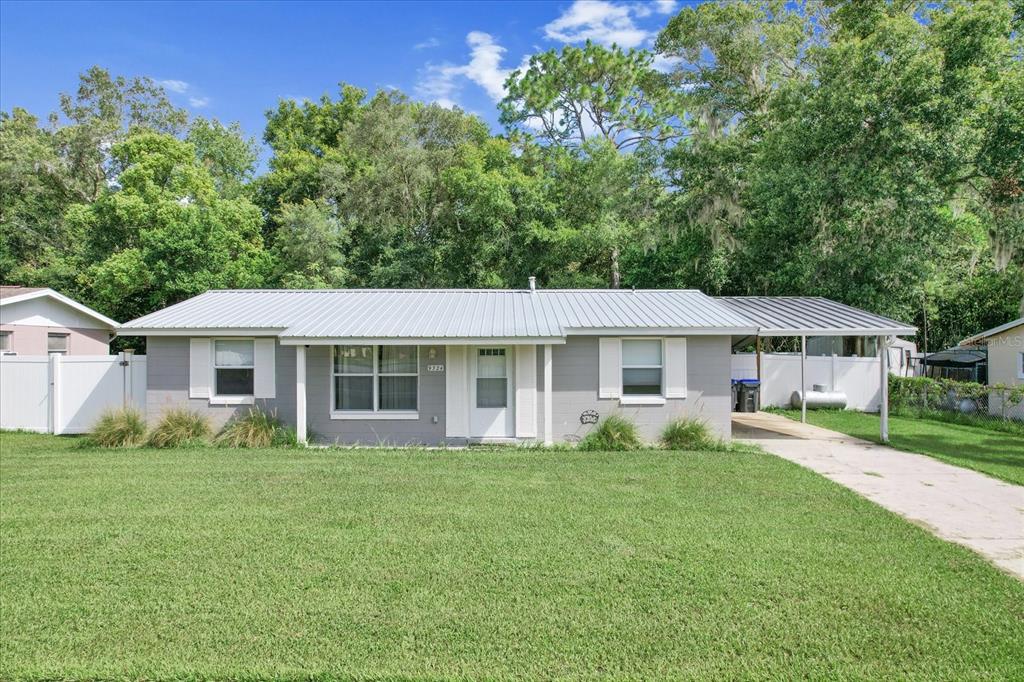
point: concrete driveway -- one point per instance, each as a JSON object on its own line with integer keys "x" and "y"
{"x": 955, "y": 504}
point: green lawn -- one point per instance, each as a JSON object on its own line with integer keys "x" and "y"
{"x": 991, "y": 452}
{"x": 405, "y": 564}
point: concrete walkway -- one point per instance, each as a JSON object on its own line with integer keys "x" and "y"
{"x": 956, "y": 504}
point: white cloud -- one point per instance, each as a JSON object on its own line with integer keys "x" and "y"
{"x": 601, "y": 22}
{"x": 428, "y": 43}
{"x": 198, "y": 102}
{"x": 174, "y": 86}
{"x": 665, "y": 6}
{"x": 442, "y": 82}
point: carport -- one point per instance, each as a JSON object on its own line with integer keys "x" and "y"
{"x": 804, "y": 316}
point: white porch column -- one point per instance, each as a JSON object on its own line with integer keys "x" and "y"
{"x": 548, "y": 427}
{"x": 883, "y": 409}
{"x": 803, "y": 379}
{"x": 300, "y": 394}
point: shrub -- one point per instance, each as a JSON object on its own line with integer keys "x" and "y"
{"x": 689, "y": 434}
{"x": 255, "y": 429}
{"x": 123, "y": 428}
{"x": 613, "y": 433}
{"x": 180, "y": 427}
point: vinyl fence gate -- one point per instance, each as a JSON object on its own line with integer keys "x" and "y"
{"x": 67, "y": 394}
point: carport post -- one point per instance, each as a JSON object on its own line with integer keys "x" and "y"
{"x": 803, "y": 379}
{"x": 883, "y": 408}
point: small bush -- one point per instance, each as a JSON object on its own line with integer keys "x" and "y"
{"x": 123, "y": 428}
{"x": 255, "y": 429}
{"x": 612, "y": 433}
{"x": 180, "y": 427}
{"x": 689, "y": 434}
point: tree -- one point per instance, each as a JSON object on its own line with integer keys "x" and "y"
{"x": 308, "y": 247}
{"x": 163, "y": 233}
{"x": 578, "y": 94}
{"x": 228, "y": 155}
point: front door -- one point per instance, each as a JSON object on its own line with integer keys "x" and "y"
{"x": 490, "y": 406}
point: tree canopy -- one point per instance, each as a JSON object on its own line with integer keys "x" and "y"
{"x": 868, "y": 152}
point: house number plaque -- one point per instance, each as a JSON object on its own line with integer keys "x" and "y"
{"x": 435, "y": 368}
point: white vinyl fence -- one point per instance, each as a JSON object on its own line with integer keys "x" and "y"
{"x": 858, "y": 378}
{"x": 66, "y": 394}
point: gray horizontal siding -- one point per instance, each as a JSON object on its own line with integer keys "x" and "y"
{"x": 167, "y": 373}
{"x": 574, "y": 378}
{"x": 427, "y": 430}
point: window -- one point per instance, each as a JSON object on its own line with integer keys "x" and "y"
{"x": 641, "y": 367}
{"x": 376, "y": 378}
{"x": 491, "y": 378}
{"x": 233, "y": 363}
{"x": 57, "y": 343}
{"x": 1020, "y": 365}
{"x": 5, "y": 342}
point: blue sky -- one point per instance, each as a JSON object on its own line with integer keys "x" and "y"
{"x": 234, "y": 60}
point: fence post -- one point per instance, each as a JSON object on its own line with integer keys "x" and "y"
{"x": 56, "y": 427}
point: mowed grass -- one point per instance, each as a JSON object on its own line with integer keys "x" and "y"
{"x": 995, "y": 453}
{"x": 405, "y": 564}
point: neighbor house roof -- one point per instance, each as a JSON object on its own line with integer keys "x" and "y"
{"x": 8, "y": 291}
{"x": 812, "y": 316}
{"x": 445, "y": 314}
{"x": 15, "y": 294}
{"x": 977, "y": 338}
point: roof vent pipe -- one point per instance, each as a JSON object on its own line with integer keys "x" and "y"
{"x": 533, "y": 284}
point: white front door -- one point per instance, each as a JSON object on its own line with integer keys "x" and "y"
{"x": 490, "y": 392}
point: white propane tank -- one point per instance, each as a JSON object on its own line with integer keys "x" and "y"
{"x": 819, "y": 397}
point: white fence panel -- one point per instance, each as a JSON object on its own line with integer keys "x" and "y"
{"x": 858, "y": 378}
{"x": 67, "y": 394}
{"x": 25, "y": 393}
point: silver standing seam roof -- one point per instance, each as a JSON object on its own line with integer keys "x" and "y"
{"x": 812, "y": 316}
{"x": 444, "y": 313}
{"x": 448, "y": 314}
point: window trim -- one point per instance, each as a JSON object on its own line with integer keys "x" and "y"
{"x": 651, "y": 399}
{"x": 215, "y": 398}
{"x": 5, "y": 345}
{"x": 67, "y": 343}
{"x": 1020, "y": 365}
{"x": 376, "y": 412}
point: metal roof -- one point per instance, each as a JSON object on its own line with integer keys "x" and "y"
{"x": 444, "y": 313}
{"x": 812, "y": 316}
{"x": 992, "y": 332}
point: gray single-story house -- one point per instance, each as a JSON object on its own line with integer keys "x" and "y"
{"x": 371, "y": 366}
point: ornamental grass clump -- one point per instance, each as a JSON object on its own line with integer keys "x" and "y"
{"x": 254, "y": 429}
{"x": 121, "y": 428}
{"x": 180, "y": 428}
{"x": 613, "y": 433}
{"x": 689, "y": 434}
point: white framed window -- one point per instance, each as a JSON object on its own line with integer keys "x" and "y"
{"x": 491, "y": 378}
{"x": 374, "y": 381}
{"x": 234, "y": 368}
{"x": 642, "y": 368}
{"x": 1020, "y": 365}
{"x": 57, "y": 343}
{"x": 5, "y": 342}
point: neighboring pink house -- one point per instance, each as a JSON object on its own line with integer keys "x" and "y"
{"x": 37, "y": 321}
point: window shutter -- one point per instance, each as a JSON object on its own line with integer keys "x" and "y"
{"x": 264, "y": 369}
{"x": 456, "y": 393}
{"x": 610, "y": 371}
{"x": 675, "y": 367}
{"x": 200, "y": 361}
{"x": 526, "y": 391}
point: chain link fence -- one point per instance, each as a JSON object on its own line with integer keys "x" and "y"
{"x": 958, "y": 401}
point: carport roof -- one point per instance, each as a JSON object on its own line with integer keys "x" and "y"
{"x": 812, "y": 316}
